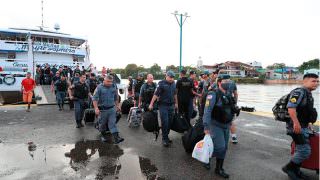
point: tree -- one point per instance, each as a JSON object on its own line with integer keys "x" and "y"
{"x": 312, "y": 64}
{"x": 131, "y": 70}
{"x": 172, "y": 68}
{"x": 155, "y": 69}
{"x": 277, "y": 66}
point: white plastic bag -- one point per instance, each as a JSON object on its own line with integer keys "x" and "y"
{"x": 203, "y": 149}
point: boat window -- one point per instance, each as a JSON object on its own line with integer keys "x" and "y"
{"x": 56, "y": 41}
{"x": 80, "y": 59}
{"x": 11, "y": 55}
{"x": 75, "y": 59}
{"x": 3, "y": 55}
{"x": 38, "y": 39}
{"x": 23, "y": 39}
{"x": 50, "y": 40}
{"x": 45, "y": 40}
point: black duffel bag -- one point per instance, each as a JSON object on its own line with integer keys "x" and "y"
{"x": 150, "y": 121}
{"x": 179, "y": 123}
{"x": 126, "y": 105}
{"x": 192, "y": 137}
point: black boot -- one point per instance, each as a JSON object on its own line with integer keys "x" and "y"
{"x": 300, "y": 174}
{"x": 219, "y": 170}
{"x": 104, "y": 137}
{"x": 117, "y": 139}
{"x": 292, "y": 170}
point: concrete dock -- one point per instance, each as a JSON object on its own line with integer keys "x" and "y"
{"x": 44, "y": 144}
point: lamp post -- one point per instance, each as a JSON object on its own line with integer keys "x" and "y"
{"x": 181, "y": 18}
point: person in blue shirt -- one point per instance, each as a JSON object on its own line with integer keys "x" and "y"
{"x": 217, "y": 120}
{"x": 302, "y": 112}
{"x": 106, "y": 104}
{"x": 167, "y": 102}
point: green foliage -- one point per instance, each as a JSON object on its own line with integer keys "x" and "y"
{"x": 133, "y": 70}
{"x": 312, "y": 64}
{"x": 277, "y": 66}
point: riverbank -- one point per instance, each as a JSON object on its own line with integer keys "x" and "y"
{"x": 282, "y": 81}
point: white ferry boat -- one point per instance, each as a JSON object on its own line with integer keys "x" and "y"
{"x": 17, "y": 58}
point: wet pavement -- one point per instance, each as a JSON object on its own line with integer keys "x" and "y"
{"x": 45, "y": 144}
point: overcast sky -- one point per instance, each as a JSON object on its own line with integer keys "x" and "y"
{"x": 145, "y": 32}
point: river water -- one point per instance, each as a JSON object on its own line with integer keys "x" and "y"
{"x": 263, "y": 97}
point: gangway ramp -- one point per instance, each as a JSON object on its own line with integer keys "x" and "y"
{"x": 47, "y": 97}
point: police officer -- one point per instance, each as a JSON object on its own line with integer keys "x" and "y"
{"x": 302, "y": 112}
{"x": 136, "y": 86}
{"x": 232, "y": 91}
{"x": 61, "y": 89}
{"x": 92, "y": 83}
{"x": 130, "y": 85}
{"x": 193, "y": 78}
{"x": 54, "y": 80}
{"x": 185, "y": 95}
{"x": 167, "y": 102}
{"x": 80, "y": 98}
{"x": 217, "y": 121}
{"x": 205, "y": 90}
{"x": 146, "y": 92}
{"x": 105, "y": 102}
{"x": 75, "y": 78}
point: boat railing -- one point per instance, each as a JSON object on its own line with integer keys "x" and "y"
{"x": 14, "y": 42}
{"x": 40, "y": 43}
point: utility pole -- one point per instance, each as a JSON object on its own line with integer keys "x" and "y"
{"x": 181, "y": 18}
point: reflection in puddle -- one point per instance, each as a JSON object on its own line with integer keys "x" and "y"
{"x": 88, "y": 159}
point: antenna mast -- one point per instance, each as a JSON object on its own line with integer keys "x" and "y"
{"x": 41, "y": 28}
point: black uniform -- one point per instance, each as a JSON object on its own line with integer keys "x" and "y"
{"x": 185, "y": 96}
{"x": 81, "y": 91}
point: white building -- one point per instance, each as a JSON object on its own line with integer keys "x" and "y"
{"x": 255, "y": 64}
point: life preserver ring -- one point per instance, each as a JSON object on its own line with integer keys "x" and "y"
{"x": 9, "y": 80}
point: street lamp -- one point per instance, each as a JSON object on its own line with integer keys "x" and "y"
{"x": 181, "y": 20}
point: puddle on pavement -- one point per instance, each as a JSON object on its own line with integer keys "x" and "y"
{"x": 86, "y": 159}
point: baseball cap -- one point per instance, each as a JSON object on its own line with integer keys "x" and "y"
{"x": 170, "y": 74}
{"x": 183, "y": 71}
{"x": 192, "y": 72}
{"x": 206, "y": 72}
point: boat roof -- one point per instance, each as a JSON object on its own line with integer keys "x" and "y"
{"x": 40, "y": 32}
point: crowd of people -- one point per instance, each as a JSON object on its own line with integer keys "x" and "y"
{"x": 215, "y": 97}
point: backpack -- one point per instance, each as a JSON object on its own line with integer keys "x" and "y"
{"x": 280, "y": 110}
{"x": 134, "y": 117}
